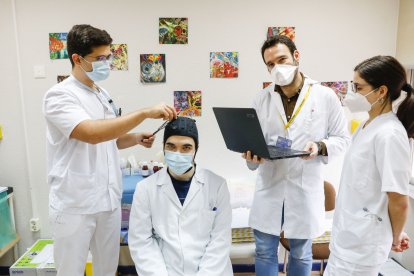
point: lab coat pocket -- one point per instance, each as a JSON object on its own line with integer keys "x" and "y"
{"x": 317, "y": 124}
{"x": 356, "y": 232}
{"x": 78, "y": 189}
{"x": 265, "y": 175}
{"x": 205, "y": 222}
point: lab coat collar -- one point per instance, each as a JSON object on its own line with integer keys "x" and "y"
{"x": 278, "y": 99}
{"x": 164, "y": 180}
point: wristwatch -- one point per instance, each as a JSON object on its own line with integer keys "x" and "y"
{"x": 319, "y": 144}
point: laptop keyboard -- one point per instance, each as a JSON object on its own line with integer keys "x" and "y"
{"x": 280, "y": 152}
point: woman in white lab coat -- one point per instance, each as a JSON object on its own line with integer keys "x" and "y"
{"x": 372, "y": 202}
{"x": 180, "y": 222}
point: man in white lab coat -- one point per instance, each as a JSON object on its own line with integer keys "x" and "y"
{"x": 180, "y": 223}
{"x": 294, "y": 111}
{"x": 84, "y": 132}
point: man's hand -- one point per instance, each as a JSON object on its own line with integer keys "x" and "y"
{"x": 162, "y": 111}
{"x": 253, "y": 159}
{"x": 145, "y": 139}
{"x": 401, "y": 243}
{"x": 311, "y": 147}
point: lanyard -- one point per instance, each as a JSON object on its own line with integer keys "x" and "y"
{"x": 117, "y": 111}
{"x": 298, "y": 109}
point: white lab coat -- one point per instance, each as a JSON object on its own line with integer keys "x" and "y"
{"x": 296, "y": 183}
{"x": 166, "y": 238}
{"x": 377, "y": 162}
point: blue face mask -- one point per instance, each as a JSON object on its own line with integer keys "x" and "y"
{"x": 178, "y": 163}
{"x": 100, "y": 70}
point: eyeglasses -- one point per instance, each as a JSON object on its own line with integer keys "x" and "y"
{"x": 108, "y": 58}
{"x": 354, "y": 86}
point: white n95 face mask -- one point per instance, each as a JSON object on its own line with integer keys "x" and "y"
{"x": 283, "y": 74}
{"x": 357, "y": 102}
{"x": 178, "y": 163}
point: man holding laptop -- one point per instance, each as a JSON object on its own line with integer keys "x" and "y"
{"x": 294, "y": 112}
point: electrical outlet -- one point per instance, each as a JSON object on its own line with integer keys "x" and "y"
{"x": 34, "y": 225}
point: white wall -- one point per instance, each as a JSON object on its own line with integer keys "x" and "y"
{"x": 332, "y": 36}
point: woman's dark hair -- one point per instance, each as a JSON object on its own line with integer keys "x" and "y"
{"x": 278, "y": 39}
{"x": 386, "y": 70}
{"x": 83, "y": 38}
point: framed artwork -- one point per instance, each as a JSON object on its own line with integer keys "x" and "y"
{"x": 173, "y": 30}
{"x": 120, "y": 57}
{"x": 286, "y": 31}
{"x": 339, "y": 87}
{"x": 188, "y": 103}
{"x": 152, "y": 68}
{"x": 224, "y": 64}
{"x": 58, "y": 46}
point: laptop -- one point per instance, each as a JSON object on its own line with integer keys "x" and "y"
{"x": 242, "y": 132}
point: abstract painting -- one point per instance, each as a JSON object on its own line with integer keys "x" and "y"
{"x": 173, "y": 30}
{"x": 188, "y": 103}
{"x": 340, "y": 87}
{"x": 152, "y": 68}
{"x": 286, "y": 31}
{"x": 120, "y": 57}
{"x": 57, "y": 45}
{"x": 224, "y": 64}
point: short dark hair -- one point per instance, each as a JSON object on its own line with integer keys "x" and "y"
{"x": 278, "y": 39}
{"x": 83, "y": 38}
{"x": 386, "y": 70}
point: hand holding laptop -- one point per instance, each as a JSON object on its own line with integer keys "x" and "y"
{"x": 253, "y": 159}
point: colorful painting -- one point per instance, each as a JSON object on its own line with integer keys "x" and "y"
{"x": 120, "y": 57}
{"x": 224, "y": 64}
{"x": 61, "y": 78}
{"x": 340, "y": 87}
{"x": 188, "y": 103}
{"x": 173, "y": 31}
{"x": 266, "y": 84}
{"x": 152, "y": 68}
{"x": 286, "y": 31}
{"x": 57, "y": 45}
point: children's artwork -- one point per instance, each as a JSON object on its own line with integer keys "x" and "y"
{"x": 120, "y": 57}
{"x": 224, "y": 64}
{"x": 188, "y": 103}
{"x": 340, "y": 87}
{"x": 173, "y": 31}
{"x": 61, "y": 78}
{"x": 266, "y": 84}
{"x": 286, "y": 31}
{"x": 152, "y": 68}
{"x": 57, "y": 45}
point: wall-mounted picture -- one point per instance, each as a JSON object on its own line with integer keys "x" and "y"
{"x": 173, "y": 30}
{"x": 340, "y": 87}
{"x": 57, "y": 45}
{"x": 120, "y": 57}
{"x": 224, "y": 64}
{"x": 286, "y": 31}
{"x": 61, "y": 78}
{"x": 188, "y": 103}
{"x": 152, "y": 68}
{"x": 266, "y": 84}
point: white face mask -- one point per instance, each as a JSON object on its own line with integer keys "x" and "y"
{"x": 357, "y": 102}
{"x": 283, "y": 74}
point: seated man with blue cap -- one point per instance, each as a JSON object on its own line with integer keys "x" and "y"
{"x": 180, "y": 221}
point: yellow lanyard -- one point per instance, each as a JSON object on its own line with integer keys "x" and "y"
{"x": 299, "y": 108}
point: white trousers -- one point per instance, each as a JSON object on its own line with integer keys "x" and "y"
{"x": 338, "y": 267}
{"x": 75, "y": 235}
